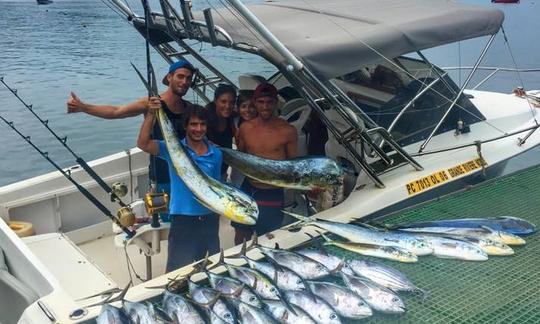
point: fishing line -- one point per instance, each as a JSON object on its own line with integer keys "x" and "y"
{"x": 67, "y": 174}
{"x": 63, "y": 141}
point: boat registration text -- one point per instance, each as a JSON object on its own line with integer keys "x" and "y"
{"x": 442, "y": 176}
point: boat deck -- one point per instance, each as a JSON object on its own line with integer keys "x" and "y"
{"x": 500, "y": 290}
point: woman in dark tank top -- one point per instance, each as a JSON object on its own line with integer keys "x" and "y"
{"x": 221, "y": 128}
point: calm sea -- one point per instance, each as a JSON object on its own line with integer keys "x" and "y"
{"x": 83, "y": 46}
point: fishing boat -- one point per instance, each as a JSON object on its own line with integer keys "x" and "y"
{"x": 402, "y": 128}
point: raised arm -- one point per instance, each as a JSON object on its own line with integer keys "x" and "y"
{"x": 144, "y": 142}
{"x": 75, "y": 104}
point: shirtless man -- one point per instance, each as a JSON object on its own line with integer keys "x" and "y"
{"x": 270, "y": 137}
{"x": 178, "y": 80}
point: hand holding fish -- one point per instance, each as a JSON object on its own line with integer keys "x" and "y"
{"x": 154, "y": 104}
{"x": 74, "y": 104}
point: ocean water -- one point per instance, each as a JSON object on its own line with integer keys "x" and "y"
{"x": 85, "y": 47}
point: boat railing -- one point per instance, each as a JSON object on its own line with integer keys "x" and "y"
{"x": 494, "y": 71}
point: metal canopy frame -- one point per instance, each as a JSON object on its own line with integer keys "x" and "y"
{"x": 322, "y": 95}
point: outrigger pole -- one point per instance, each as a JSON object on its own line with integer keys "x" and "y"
{"x": 67, "y": 174}
{"x": 63, "y": 141}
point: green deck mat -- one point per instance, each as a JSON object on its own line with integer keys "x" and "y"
{"x": 500, "y": 290}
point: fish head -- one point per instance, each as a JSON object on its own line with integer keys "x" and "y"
{"x": 420, "y": 246}
{"x": 361, "y": 309}
{"x": 392, "y": 303}
{"x": 248, "y": 297}
{"x": 510, "y": 239}
{"x": 472, "y": 251}
{"x": 496, "y": 248}
{"x": 243, "y": 210}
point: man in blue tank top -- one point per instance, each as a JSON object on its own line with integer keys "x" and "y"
{"x": 178, "y": 80}
{"x": 194, "y": 228}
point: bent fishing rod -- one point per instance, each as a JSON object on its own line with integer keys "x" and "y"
{"x": 63, "y": 141}
{"x": 67, "y": 174}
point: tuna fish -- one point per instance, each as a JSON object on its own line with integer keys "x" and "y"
{"x": 344, "y": 301}
{"x": 285, "y": 316}
{"x": 180, "y": 310}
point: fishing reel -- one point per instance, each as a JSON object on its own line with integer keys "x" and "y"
{"x": 156, "y": 202}
{"x": 125, "y": 216}
{"x": 120, "y": 189}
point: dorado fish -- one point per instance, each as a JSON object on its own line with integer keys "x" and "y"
{"x": 383, "y": 275}
{"x": 378, "y": 297}
{"x": 359, "y": 234}
{"x": 230, "y": 286}
{"x": 315, "y": 306}
{"x": 478, "y": 232}
{"x": 447, "y": 248}
{"x": 344, "y": 301}
{"x": 509, "y": 224}
{"x": 300, "y": 173}
{"x": 285, "y": 316}
{"x": 110, "y": 314}
{"x": 489, "y": 246}
{"x": 385, "y": 252}
{"x": 213, "y": 194}
{"x": 180, "y": 310}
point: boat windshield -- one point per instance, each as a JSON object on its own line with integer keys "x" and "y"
{"x": 402, "y": 104}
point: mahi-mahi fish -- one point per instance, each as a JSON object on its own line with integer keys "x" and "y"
{"x": 305, "y": 173}
{"x": 213, "y": 194}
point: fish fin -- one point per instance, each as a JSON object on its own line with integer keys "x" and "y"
{"x": 326, "y": 238}
{"x": 241, "y": 254}
{"x": 109, "y": 300}
{"x": 159, "y": 314}
{"x": 220, "y": 261}
{"x": 424, "y": 294}
{"x": 488, "y": 229}
{"x": 302, "y": 219}
{"x": 338, "y": 268}
{"x": 276, "y": 246}
{"x": 318, "y": 244}
{"x": 106, "y": 293}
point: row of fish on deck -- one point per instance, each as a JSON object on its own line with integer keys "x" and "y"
{"x": 311, "y": 285}
{"x": 308, "y": 285}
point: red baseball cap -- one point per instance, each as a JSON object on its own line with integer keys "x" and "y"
{"x": 265, "y": 90}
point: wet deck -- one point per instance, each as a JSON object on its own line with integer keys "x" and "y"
{"x": 500, "y": 290}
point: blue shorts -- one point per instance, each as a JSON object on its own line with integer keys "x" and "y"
{"x": 190, "y": 237}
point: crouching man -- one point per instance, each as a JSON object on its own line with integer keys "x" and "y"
{"x": 194, "y": 228}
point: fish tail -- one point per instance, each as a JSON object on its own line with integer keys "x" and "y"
{"x": 302, "y": 219}
{"x": 424, "y": 294}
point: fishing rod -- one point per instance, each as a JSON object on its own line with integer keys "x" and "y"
{"x": 67, "y": 174}
{"x": 63, "y": 140}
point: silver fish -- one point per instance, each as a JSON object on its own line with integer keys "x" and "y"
{"x": 180, "y": 310}
{"x": 479, "y": 232}
{"x": 319, "y": 310}
{"x": 344, "y": 301}
{"x": 215, "y": 195}
{"x": 249, "y": 314}
{"x": 230, "y": 286}
{"x": 284, "y": 278}
{"x": 144, "y": 313}
{"x": 217, "y": 309}
{"x": 260, "y": 284}
{"x": 330, "y": 261}
{"x": 285, "y": 316}
{"x": 359, "y": 234}
{"x": 305, "y": 267}
{"x": 300, "y": 173}
{"x": 455, "y": 249}
{"x": 489, "y": 246}
{"x": 378, "y": 297}
{"x": 112, "y": 315}
{"x": 383, "y": 275}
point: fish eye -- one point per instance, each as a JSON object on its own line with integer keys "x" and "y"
{"x": 361, "y": 303}
{"x": 333, "y": 316}
{"x": 227, "y": 315}
{"x": 299, "y": 281}
{"x": 272, "y": 289}
{"x": 320, "y": 267}
{"x": 395, "y": 299}
{"x": 252, "y": 299}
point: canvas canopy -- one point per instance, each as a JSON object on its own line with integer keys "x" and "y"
{"x": 340, "y": 36}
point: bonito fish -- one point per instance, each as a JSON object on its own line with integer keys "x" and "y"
{"x": 215, "y": 195}
{"x": 110, "y": 314}
{"x": 300, "y": 173}
{"x": 284, "y": 315}
{"x": 344, "y": 301}
{"x": 359, "y": 234}
{"x": 180, "y": 310}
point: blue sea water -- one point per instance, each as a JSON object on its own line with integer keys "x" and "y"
{"x": 46, "y": 51}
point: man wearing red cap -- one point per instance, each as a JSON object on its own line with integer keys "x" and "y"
{"x": 269, "y": 137}
{"x": 178, "y": 80}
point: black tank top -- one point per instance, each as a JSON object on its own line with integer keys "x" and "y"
{"x": 160, "y": 171}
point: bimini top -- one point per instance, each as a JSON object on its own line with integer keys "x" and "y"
{"x": 334, "y": 37}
